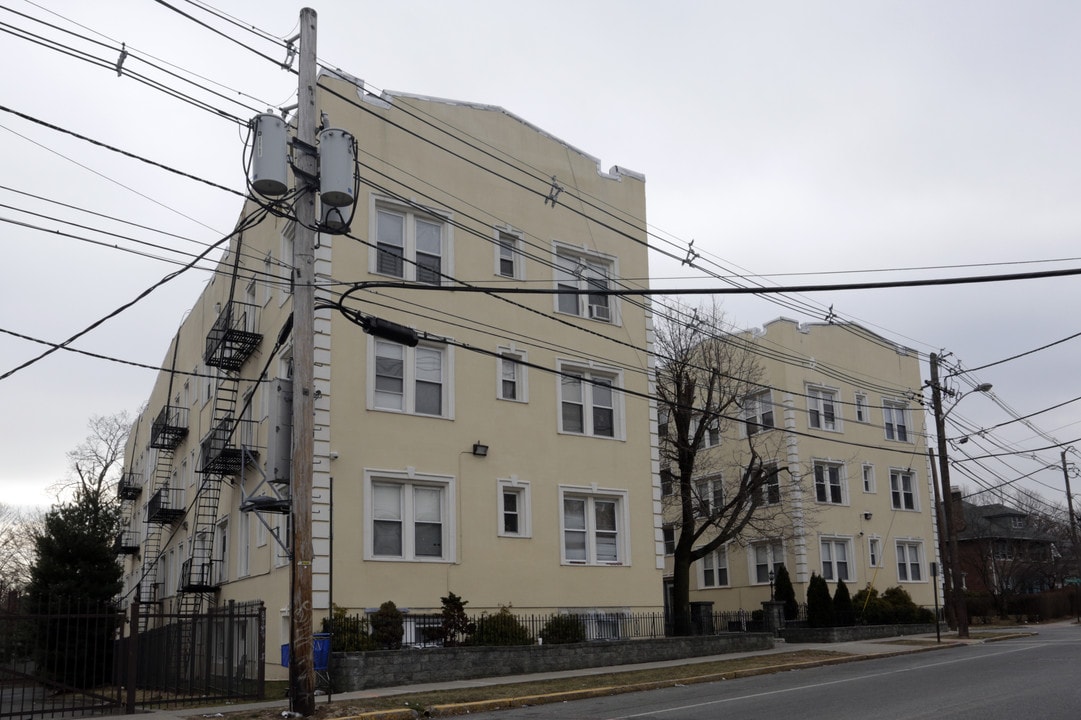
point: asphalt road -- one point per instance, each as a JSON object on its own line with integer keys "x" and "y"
{"x": 1033, "y": 678}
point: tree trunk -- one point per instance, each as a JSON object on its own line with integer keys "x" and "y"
{"x": 681, "y": 594}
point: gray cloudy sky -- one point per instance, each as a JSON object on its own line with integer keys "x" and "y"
{"x": 792, "y": 140}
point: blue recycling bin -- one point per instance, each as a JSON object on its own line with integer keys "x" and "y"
{"x": 320, "y": 648}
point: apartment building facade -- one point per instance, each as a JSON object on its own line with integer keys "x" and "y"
{"x": 507, "y": 457}
{"x": 835, "y": 414}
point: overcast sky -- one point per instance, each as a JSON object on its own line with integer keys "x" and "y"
{"x": 806, "y": 142}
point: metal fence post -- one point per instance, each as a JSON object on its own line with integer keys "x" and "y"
{"x": 131, "y": 679}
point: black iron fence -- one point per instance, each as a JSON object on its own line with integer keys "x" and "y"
{"x": 71, "y": 658}
{"x": 356, "y": 632}
{"x": 57, "y": 659}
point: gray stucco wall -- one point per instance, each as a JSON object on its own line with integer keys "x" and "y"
{"x": 385, "y": 668}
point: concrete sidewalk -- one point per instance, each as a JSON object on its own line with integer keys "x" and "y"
{"x": 853, "y": 651}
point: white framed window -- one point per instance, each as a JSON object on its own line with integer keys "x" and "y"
{"x": 822, "y": 409}
{"x": 909, "y": 561}
{"x": 769, "y": 493}
{"x": 593, "y": 524}
{"x": 408, "y": 517}
{"x": 243, "y": 545}
{"x": 868, "y": 478}
{"x": 578, "y": 273}
{"x": 874, "y": 551}
{"x": 708, "y": 495}
{"x": 863, "y": 413}
{"x": 508, "y": 258}
{"x": 410, "y": 244}
{"x": 765, "y": 556}
{"x": 221, "y": 551}
{"x": 712, "y": 435}
{"x": 895, "y": 419}
{"x": 903, "y": 492}
{"x": 713, "y": 569}
{"x": 410, "y": 380}
{"x": 269, "y": 277}
{"x": 285, "y": 284}
{"x": 283, "y": 530}
{"x": 668, "y": 482}
{"x": 668, "y": 534}
{"x": 511, "y": 382}
{"x": 590, "y": 401}
{"x": 830, "y": 483}
{"x": 260, "y": 533}
{"x": 836, "y": 558}
{"x": 757, "y": 412}
{"x": 514, "y": 509}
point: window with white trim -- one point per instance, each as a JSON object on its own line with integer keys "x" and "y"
{"x": 514, "y": 511}
{"x": 830, "y": 483}
{"x": 593, "y": 525}
{"x": 410, "y": 380}
{"x": 874, "y": 551}
{"x": 283, "y": 530}
{"x": 909, "y": 561}
{"x": 577, "y": 274}
{"x": 822, "y": 408}
{"x": 765, "y": 556}
{"x": 712, "y": 435}
{"x": 713, "y": 569}
{"x": 590, "y": 403}
{"x": 769, "y": 491}
{"x": 668, "y": 482}
{"x": 269, "y": 277}
{"x": 512, "y": 376}
{"x": 708, "y": 495}
{"x": 903, "y": 492}
{"x": 895, "y": 418}
{"x": 668, "y": 534}
{"x": 409, "y": 245}
{"x": 863, "y": 412}
{"x": 757, "y": 412}
{"x": 508, "y": 258}
{"x": 868, "y": 478}
{"x": 409, "y": 518}
{"x": 243, "y": 545}
{"x": 285, "y": 284}
{"x": 836, "y": 554}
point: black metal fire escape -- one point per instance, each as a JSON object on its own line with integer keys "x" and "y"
{"x": 224, "y": 450}
{"x": 166, "y": 505}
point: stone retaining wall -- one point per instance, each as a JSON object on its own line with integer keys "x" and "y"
{"x": 856, "y": 632}
{"x": 385, "y": 668}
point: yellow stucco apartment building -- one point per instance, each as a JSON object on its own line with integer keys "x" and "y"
{"x": 507, "y": 458}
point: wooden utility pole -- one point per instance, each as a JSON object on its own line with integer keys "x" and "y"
{"x": 302, "y": 659}
{"x": 957, "y": 593}
{"x": 1069, "y": 500}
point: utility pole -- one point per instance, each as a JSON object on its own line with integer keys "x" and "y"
{"x": 957, "y": 597}
{"x": 306, "y": 172}
{"x": 1069, "y": 501}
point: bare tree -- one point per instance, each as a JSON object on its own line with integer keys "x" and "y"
{"x": 715, "y": 492}
{"x": 95, "y": 463}
{"x": 18, "y": 527}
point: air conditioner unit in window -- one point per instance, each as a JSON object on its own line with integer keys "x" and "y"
{"x": 600, "y": 312}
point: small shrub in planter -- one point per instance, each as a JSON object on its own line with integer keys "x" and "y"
{"x": 562, "y": 629}
{"x": 387, "y": 626}
{"x": 819, "y": 603}
{"x": 501, "y": 629}
{"x": 844, "y": 614}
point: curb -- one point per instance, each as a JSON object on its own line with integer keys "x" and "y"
{"x": 451, "y": 710}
